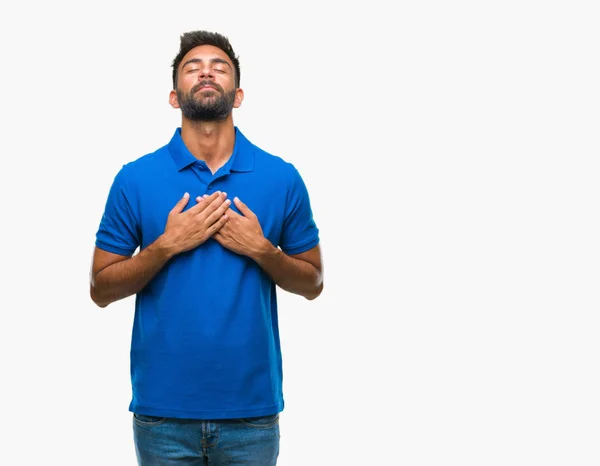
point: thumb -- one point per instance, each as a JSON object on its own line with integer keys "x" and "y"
{"x": 181, "y": 204}
{"x": 243, "y": 207}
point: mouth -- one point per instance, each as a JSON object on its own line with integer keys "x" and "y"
{"x": 207, "y": 88}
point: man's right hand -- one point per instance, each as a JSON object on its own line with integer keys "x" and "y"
{"x": 188, "y": 230}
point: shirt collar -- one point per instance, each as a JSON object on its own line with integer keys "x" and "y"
{"x": 242, "y": 159}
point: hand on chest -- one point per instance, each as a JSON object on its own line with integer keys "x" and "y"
{"x": 264, "y": 199}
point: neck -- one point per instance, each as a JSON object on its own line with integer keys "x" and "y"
{"x": 211, "y": 141}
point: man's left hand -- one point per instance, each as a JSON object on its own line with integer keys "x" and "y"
{"x": 242, "y": 234}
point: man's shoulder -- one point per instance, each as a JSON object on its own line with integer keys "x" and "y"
{"x": 270, "y": 162}
{"x": 146, "y": 163}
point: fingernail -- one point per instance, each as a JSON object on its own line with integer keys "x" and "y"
{"x": 186, "y": 194}
{"x": 236, "y": 199}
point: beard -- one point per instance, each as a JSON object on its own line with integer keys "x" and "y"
{"x": 215, "y": 105}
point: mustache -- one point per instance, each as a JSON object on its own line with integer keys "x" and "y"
{"x": 207, "y": 83}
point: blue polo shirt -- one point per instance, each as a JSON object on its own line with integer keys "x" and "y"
{"x": 205, "y": 340}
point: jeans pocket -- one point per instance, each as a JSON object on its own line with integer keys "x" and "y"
{"x": 261, "y": 422}
{"x": 148, "y": 421}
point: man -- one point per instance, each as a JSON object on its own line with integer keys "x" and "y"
{"x": 219, "y": 223}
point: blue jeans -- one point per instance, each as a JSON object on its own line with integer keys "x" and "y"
{"x": 163, "y": 441}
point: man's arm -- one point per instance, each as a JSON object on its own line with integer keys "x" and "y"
{"x": 115, "y": 277}
{"x": 299, "y": 273}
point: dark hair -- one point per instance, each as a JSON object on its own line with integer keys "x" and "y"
{"x": 192, "y": 39}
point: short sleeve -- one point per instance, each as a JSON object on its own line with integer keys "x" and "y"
{"x": 300, "y": 232}
{"x": 118, "y": 231}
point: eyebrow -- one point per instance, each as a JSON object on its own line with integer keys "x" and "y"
{"x": 199, "y": 60}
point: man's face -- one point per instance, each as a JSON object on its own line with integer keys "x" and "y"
{"x": 206, "y": 85}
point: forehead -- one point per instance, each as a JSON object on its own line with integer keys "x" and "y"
{"x": 205, "y": 53}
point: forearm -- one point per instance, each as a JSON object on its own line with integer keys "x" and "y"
{"x": 130, "y": 276}
{"x": 291, "y": 274}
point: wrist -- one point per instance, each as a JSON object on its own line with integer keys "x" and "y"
{"x": 163, "y": 247}
{"x": 264, "y": 251}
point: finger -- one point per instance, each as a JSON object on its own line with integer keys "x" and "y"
{"x": 178, "y": 208}
{"x": 211, "y": 204}
{"x": 243, "y": 208}
{"x": 215, "y": 227}
{"x": 201, "y": 205}
{"x": 219, "y": 212}
{"x": 232, "y": 213}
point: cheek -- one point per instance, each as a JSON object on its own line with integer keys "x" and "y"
{"x": 186, "y": 84}
{"x": 186, "y": 81}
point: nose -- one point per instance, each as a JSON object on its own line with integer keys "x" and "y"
{"x": 205, "y": 72}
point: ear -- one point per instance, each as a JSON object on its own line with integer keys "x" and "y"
{"x": 173, "y": 99}
{"x": 239, "y": 97}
